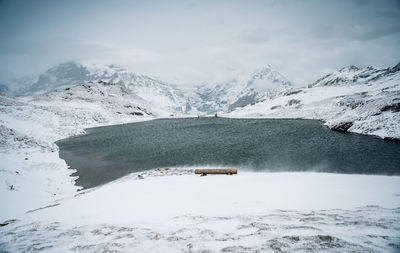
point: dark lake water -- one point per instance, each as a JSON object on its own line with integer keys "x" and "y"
{"x": 107, "y": 153}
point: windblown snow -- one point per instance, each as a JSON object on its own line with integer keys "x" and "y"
{"x": 173, "y": 210}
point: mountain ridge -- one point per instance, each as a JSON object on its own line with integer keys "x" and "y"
{"x": 238, "y": 91}
{"x": 264, "y": 84}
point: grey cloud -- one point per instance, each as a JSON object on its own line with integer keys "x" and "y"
{"x": 195, "y": 41}
{"x": 257, "y": 36}
{"x": 361, "y": 2}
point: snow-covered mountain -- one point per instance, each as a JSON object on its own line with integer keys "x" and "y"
{"x": 60, "y": 77}
{"x": 69, "y": 74}
{"x": 159, "y": 93}
{"x": 353, "y": 75}
{"x": 361, "y": 100}
{"x": 71, "y": 110}
{"x": 241, "y": 91}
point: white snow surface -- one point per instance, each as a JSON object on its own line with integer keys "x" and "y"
{"x": 176, "y": 211}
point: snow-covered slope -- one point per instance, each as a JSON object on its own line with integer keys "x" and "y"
{"x": 364, "y": 101}
{"x": 353, "y": 75}
{"x": 31, "y": 172}
{"x": 158, "y": 93}
{"x": 241, "y": 91}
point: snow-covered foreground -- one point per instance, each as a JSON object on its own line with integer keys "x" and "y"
{"x": 175, "y": 210}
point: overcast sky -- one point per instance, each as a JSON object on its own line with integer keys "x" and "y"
{"x": 200, "y": 41}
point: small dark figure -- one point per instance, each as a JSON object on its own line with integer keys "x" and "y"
{"x": 216, "y": 115}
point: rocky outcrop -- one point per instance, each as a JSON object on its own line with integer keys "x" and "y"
{"x": 342, "y": 127}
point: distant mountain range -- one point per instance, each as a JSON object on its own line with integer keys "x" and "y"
{"x": 362, "y": 100}
{"x": 239, "y": 91}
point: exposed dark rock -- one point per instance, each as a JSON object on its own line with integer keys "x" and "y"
{"x": 7, "y": 222}
{"x": 276, "y": 107}
{"x": 342, "y": 127}
{"x": 293, "y": 102}
{"x": 293, "y": 92}
{"x": 392, "y": 139}
{"x": 393, "y": 108}
{"x": 105, "y": 83}
{"x": 137, "y": 113}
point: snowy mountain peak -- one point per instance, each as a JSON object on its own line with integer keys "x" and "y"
{"x": 241, "y": 91}
{"x": 267, "y": 73}
{"x": 262, "y": 72}
{"x": 395, "y": 68}
{"x": 350, "y": 68}
{"x": 63, "y": 75}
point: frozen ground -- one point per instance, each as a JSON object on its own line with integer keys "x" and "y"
{"x": 176, "y": 211}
